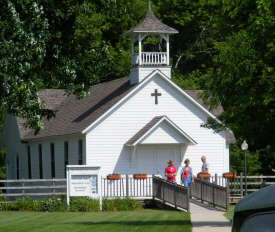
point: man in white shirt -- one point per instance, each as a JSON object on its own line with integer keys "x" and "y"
{"x": 205, "y": 166}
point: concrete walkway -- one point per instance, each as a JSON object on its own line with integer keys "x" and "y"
{"x": 208, "y": 219}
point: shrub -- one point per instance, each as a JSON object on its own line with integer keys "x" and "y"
{"x": 85, "y": 204}
{"x": 1, "y": 197}
{"x": 54, "y": 204}
{"x": 6, "y": 206}
{"x": 120, "y": 204}
{"x": 23, "y": 204}
{"x": 59, "y": 203}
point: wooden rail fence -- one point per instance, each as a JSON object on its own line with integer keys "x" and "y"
{"x": 25, "y": 187}
{"x": 126, "y": 186}
{"x": 254, "y": 183}
{"x": 210, "y": 192}
{"x": 167, "y": 192}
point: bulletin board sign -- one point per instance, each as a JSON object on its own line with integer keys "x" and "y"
{"x": 83, "y": 180}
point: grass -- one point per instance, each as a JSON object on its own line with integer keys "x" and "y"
{"x": 230, "y": 213}
{"x": 141, "y": 220}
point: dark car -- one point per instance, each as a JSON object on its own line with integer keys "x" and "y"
{"x": 256, "y": 212}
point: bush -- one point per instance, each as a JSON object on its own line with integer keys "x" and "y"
{"x": 24, "y": 204}
{"x": 59, "y": 203}
{"x": 54, "y": 204}
{"x": 6, "y": 206}
{"x": 1, "y": 197}
{"x": 120, "y": 204}
{"x": 84, "y": 204}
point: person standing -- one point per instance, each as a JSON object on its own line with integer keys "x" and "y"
{"x": 170, "y": 171}
{"x": 205, "y": 166}
{"x": 186, "y": 174}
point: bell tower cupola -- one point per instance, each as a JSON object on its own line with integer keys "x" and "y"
{"x": 147, "y": 57}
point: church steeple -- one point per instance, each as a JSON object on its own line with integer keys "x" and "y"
{"x": 149, "y": 56}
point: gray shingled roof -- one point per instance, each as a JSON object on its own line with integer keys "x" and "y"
{"x": 53, "y": 98}
{"x": 150, "y": 23}
{"x": 230, "y": 138}
{"x": 194, "y": 94}
{"x": 74, "y": 115}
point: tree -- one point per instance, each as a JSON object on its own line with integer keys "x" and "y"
{"x": 242, "y": 78}
{"x": 69, "y": 44}
{"x": 192, "y": 49}
{"x": 40, "y": 48}
{"x": 2, "y": 151}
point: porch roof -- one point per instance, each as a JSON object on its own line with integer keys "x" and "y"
{"x": 149, "y": 128}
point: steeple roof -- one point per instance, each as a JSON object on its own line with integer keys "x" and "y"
{"x": 150, "y": 24}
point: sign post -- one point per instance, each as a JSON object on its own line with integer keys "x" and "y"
{"x": 83, "y": 180}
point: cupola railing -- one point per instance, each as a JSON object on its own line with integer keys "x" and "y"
{"x": 150, "y": 58}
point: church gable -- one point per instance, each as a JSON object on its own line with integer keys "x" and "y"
{"x": 157, "y": 93}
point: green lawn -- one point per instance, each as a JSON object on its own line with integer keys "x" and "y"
{"x": 230, "y": 213}
{"x": 141, "y": 220}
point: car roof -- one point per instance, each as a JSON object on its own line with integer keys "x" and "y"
{"x": 263, "y": 198}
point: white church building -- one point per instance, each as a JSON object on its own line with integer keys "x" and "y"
{"x": 130, "y": 125}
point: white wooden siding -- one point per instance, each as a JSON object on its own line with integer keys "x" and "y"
{"x": 14, "y": 147}
{"x": 105, "y": 141}
{"x": 134, "y": 75}
{"x": 59, "y": 159}
{"x": 35, "y": 161}
{"x": 137, "y": 74}
{"x": 46, "y": 159}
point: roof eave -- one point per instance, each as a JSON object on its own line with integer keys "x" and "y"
{"x": 162, "y": 32}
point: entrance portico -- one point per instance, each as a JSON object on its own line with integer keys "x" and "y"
{"x": 157, "y": 142}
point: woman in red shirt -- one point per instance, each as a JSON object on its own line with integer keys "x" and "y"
{"x": 170, "y": 171}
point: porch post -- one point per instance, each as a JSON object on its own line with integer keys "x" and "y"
{"x": 139, "y": 49}
{"x": 127, "y": 186}
{"x": 167, "y": 48}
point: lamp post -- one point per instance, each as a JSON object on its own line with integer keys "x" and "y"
{"x": 244, "y": 147}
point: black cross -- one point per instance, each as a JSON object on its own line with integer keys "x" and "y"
{"x": 156, "y": 94}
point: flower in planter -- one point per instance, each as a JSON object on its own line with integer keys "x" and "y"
{"x": 113, "y": 176}
{"x": 203, "y": 172}
{"x": 140, "y": 175}
{"x": 229, "y": 175}
{"x": 58, "y": 199}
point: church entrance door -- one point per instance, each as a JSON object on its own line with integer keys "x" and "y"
{"x": 153, "y": 160}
